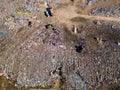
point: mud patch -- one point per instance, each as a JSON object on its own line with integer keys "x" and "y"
{"x": 6, "y": 85}
{"x": 78, "y": 19}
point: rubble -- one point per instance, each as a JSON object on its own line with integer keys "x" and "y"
{"x": 77, "y": 82}
{"x": 113, "y": 11}
{"x": 36, "y": 56}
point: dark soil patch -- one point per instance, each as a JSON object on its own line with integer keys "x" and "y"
{"x": 78, "y": 19}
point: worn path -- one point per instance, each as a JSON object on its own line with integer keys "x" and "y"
{"x": 64, "y": 14}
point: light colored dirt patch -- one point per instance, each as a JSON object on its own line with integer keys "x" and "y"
{"x": 66, "y": 13}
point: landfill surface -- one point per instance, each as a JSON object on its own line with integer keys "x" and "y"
{"x": 76, "y": 48}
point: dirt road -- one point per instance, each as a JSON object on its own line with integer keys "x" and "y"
{"x": 64, "y": 14}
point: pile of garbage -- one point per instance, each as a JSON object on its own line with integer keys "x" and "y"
{"x": 20, "y": 12}
{"x": 113, "y": 11}
{"x": 93, "y": 1}
{"x": 80, "y": 58}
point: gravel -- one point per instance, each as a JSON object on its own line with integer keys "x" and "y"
{"x": 113, "y": 11}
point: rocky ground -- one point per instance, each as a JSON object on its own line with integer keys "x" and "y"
{"x": 36, "y": 57}
{"x": 107, "y": 11}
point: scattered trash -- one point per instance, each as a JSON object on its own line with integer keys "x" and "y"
{"x": 55, "y": 42}
{"x": 1, "y": 69}
{"x": 107, "y": 11}
{"x": 74, "y": 29}
{"x": 57, "y": 72}
{"x": 76, "y": 80}
{"x": 19, "y": 13}
{"x": 46, "y": 4}
{"x": 2, "y": 34}
{"x": 89, "y": 2}
{"x": 99, "y": 40}
{"x": 72, "y": 0}
{"x": 118, "y": 43}
{"x": 40, "y": 4}
{"x": 96, "y": 22}
{"x": 79, "y": 48}
{"x": 29, "y": 23}
{"x": 95, "y": 38}
{"x": 48, "y": 12}
{"x": 62, "y": 46}
{"x": 50, "y": 26}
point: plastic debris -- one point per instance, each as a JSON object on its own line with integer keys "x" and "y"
{"x": 48, "y": 12}
{"x": 40, "y": 4}
{"x": 19, "y": 13}
{"x": 74, "y": 29}
{"x": 50, "y": 26}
